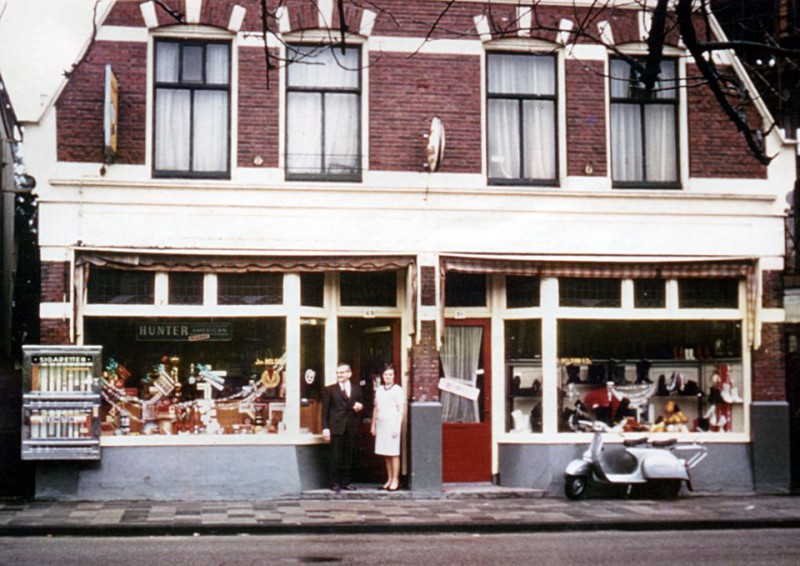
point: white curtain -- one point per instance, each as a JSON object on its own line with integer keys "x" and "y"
{"x": 638, "y": 156}
{"x": 626, "y": 142}
{"x": 341, "y": 133}
{"x": 182, "y": 114}
{"x": 173, "y": 128}
{"x": 660, "y": 142}
{"x": 504, "y": 157}
{"x": 460, "y": 356}
{"x": 323, "y": 123}
{"x": 517, "y": 75}
{"x": 304, "y": 111}
{"x": 210, "y": 149}
{"x": 540, "y": 139}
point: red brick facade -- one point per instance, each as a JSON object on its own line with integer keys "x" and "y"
{"x": 406, "y": 93}
{"x": 425, "y": 365}
{"x": 772, "y": 289}
{"x": 54, "y": 332}
{"x": 80, "y": 107}
{"x": 769, "y": 372}
{"x": 586, "y": 119}
{"x": 258, "y": 109}
{"x": 55, "y": 281}
{"x": 716, "y": 149}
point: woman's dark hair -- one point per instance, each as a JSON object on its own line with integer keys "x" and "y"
{"x": 388, "y": 365}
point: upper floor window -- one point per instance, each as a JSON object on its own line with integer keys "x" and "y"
{"x": 192, "y": 109}
{"x": 644, "y": 136}
{"x": 323, "y": 113}
{"x": 522, "y": 118}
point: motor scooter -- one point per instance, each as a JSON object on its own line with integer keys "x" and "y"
{"x": 638, "y": 462}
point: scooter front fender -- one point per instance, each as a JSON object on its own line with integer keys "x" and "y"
{"x": 578, "y": 468}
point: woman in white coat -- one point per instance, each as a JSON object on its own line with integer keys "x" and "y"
{"x": 387, "y": 422}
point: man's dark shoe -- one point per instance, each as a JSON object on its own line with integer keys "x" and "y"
{"x": 335, "y": 488}
{"x": 349, "y": 487}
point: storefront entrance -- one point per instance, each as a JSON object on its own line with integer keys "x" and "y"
{"x": 466, "y": 401}
{"x": 367, "y": 344}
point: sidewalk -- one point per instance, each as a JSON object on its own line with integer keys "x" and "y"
{"x": 481, "y": 509}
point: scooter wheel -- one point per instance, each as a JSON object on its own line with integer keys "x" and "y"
{"x": 575, "y": 487}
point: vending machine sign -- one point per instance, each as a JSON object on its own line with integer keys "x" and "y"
{"x": 61, "y": 402}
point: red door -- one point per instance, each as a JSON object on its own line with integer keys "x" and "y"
{"x": 466, "y": 429}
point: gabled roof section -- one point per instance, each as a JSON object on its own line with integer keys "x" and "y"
{"x": 40, "y": 42}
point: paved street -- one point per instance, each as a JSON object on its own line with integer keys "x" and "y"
{"x": 365, "y": 512}
{"x": 773, "y": 547}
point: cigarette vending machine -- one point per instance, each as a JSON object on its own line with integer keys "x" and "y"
{"x": 61, "y": 402}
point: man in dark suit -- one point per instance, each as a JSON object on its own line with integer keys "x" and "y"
{"x": 341, "y": 404}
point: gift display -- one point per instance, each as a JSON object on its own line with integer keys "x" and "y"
{"x": 175, "y": 398}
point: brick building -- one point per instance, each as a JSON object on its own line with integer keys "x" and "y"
{"x": 264, "y": 211}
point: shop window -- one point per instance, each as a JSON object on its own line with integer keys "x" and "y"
{"x": 465, "y": 290}
{"x": 588, "y": 292}
{"x": 192, "y": 109}
{"x": 249, "y": 289}
{"x": 118, "y": 287}
{"x": 312, "y": 289}
{"x": 649, "y": 294}
{"x": 199, "y": 376}
{"x": 644, "y": 134}
{"x": 323, "y": 113}
{"x": 625, "y": 373}
{"x": 708, "y": 293}
{"x": 369, "y": 289}
{"x": 186, "y": 288}
{"x": 522, "y": 292}
{"x": 521, "y": 118}
{"x": 312, "y": 374}
{"x": 523, "y": 375}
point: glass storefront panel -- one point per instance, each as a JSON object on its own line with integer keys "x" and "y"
{"x": 523, "y": 339}
{"x": 657, "y": 376}
{"x": 312, "y": 374}
{"x": 199, "y": 376}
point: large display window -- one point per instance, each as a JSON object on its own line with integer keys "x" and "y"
{"x": 655, "y": 376}
{"x": 199, "y": 376}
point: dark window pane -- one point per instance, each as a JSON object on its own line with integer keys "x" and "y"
{"x": 581, "y": 292}
{"x": 375, "y": 289}
{"x": 312, "y": 289}
{"x": 651, "y": 339}
{"x": 523, "y": 339}
{"x": 708, "y": 293}
{"x": 522, "y": 292}
{"x": 112, "y": 286}
{"x": 250, "y": 289}
{"x": 465, "y": 290}
{"x": 186, "y": 288}
{"x": 649, "y": 294}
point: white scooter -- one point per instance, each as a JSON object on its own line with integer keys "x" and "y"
{"x": 637, "y": 462}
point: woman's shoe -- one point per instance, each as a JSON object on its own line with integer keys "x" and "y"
{"x": 395, "y": 488}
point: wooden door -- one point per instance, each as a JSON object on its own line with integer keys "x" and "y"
{"x": 467, "y": 434}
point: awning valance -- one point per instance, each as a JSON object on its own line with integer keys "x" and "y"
{"x": 242, "y": 263}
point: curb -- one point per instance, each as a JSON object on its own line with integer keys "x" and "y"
{"x": 164, "y": 530}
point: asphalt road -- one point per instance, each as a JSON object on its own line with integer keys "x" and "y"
{"x": 766, "y": 546}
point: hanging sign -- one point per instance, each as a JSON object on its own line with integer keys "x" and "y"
{"x": 460, "y": 388}
{"x": 110, "y": 115}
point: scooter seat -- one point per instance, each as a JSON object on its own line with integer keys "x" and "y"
{"x": 618, "y": 462}
{"x": 630, "y": 442}
{"x": 664, "y": 443}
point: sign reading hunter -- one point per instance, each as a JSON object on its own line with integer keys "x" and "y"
{"x": 184, "y": 332}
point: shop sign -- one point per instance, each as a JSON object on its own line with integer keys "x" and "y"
{"x": 460, "y": 388}
{"x": 184, "y": 332}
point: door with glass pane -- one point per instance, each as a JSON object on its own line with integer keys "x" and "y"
{"x": 466, "y": 401}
